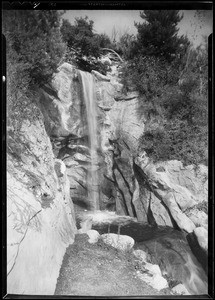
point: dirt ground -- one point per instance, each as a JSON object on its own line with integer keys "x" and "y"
{"x": 101, "y": 270}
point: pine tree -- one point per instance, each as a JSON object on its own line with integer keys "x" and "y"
{"x": 157, "y": 36}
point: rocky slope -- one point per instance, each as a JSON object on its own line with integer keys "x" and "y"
{"x": 40, "y": 214}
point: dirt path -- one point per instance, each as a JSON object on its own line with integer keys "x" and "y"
{"x": 100, "y": 270}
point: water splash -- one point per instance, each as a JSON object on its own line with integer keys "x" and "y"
{"x": 89, "y": 97}
{"x": 197, "y": 281}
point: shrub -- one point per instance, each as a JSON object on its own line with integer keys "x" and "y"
{"x": 33, "y": 43}
{"x": 34, "y": 49}
{"x": 148, "y": 75}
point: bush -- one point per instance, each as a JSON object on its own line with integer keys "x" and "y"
{"x": 34, "y": 49}
{"x": 81, "y": 37}
{"x": 148, "y": 75}
{"x": 34, "y": 43}
{"x": 176, "y": 119}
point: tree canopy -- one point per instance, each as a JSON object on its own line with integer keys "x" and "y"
{"x": 82, "y": 38}
{"x": 34, "y": 42}
{"x": 157, "y": 35}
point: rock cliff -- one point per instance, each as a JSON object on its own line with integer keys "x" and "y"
{"x": 40, "y": 214}
{"x": 166, "y": 193}
{"x": 47, "y": 174}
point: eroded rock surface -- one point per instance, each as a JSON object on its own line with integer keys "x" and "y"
{"x": 164, "y": 194}
{"x": 40, "y": 215}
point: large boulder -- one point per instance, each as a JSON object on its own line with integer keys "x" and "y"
{"x": 153, "y": 276}
{"x": 121, "y": 242}
{"x": 176, "y": 197}
{"x": 180, "y": 289}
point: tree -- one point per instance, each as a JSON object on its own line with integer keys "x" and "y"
{"x": 34, "y": 49}
{"x": 126, "y": 45}
{"x": 80, "y": 36}
{"x": 103, "y": 40}
{"x": 34, "y": 43}
{"x": 157, "y": 36}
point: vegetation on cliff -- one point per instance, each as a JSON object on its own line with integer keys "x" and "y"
{"x": 171, "y": 77}
{"x": 34, "y": 49}
{"x": 84, "y": 45}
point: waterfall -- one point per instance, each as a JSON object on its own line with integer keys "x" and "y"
{"x": 89, "y": 97}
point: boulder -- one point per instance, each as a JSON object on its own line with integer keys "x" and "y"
{"x": 153, "y": 269}
{"x": 180, "y": 289}
{"x": 93, "y": 236}
{"x": 202, "y": 236}
{"x": 106, "y": 60}
{"x": 121, "y": 242}
{"x": 173, "y": 196}
{"x": 153, "y": 278}
{"x": 141, "y": 255}
{"x": 199, "y": 218}
{"x": 60, "y": 168}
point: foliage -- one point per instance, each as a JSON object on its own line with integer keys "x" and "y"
{"x": 176, "y": 114}
{"x": 34, "y": 49}
{"x": 85, "y": 63}
{"x": 33, "y": 42}
{"x": 126, "y": 45}
{"x": 157, "y": 36}
{"x": 81, "y": 37}
{"x": 84, "y": 46}
{"x": 171, "y": 78}
{"x": 149, "y": 75}
{"x": 181, "y": 132}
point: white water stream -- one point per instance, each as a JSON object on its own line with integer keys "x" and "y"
{"x": 89, "y": 97}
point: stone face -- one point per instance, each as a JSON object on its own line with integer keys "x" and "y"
{"x": 171, "y": 194}
{"x": 141, "y": 255}
{"x": 121, "y": 242}
{"x": 180, "y": 289}
{"x": 60, "y": 168}
{"x": 93, "y": 236}
{"x": 202, "y": 237}
{"x": 199, "y": 218}
{"x": 165, "y": 193}
{"x": 129, "y": 125}
{"x": 100, "y": 76}
{"x": 40, "y": 215}
{"x": 61, "y": 104}
{"x": 153, "y": 277}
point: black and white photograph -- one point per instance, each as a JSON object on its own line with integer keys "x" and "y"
{"x": 107, "y": 110}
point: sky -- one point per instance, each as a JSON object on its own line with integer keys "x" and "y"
{"x": 193, "y": 24}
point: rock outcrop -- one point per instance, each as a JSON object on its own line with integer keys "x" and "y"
{"x": 40, "y": 214}
{"x": 121, "y": 242}
{"x": 163, "y": 194}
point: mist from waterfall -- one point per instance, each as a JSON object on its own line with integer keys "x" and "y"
{"x": 89, "y": 97}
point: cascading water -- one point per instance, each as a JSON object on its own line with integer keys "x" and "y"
{"x": 89, "y": 97}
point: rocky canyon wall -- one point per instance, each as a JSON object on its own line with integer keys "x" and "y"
{"x": 40, "y": 213}
{"x": 48, "y": 174}
{"x": 166, "y": 193}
